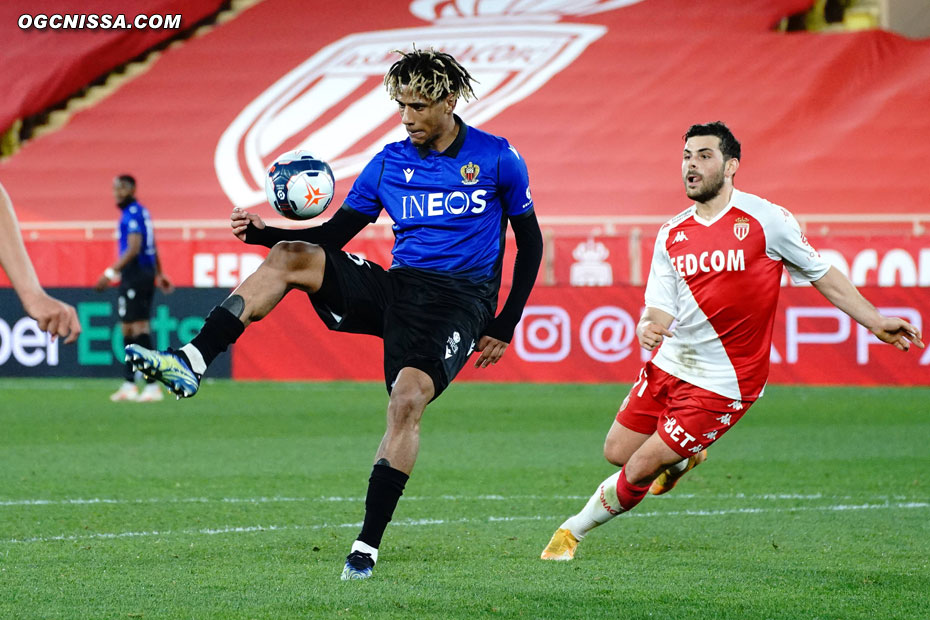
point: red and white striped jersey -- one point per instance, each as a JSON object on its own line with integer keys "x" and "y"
{"x": 720, "y": 279}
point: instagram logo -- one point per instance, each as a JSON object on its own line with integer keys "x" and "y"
{"x": 607, "y": 333}
{"x": 543, "y": 334}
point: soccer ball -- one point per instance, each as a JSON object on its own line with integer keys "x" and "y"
{"x": 299, "y": 186}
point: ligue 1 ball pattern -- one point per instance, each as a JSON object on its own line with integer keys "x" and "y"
{"x": 299, "y": 186}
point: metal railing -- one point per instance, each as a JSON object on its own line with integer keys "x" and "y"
{"x": 910, "y": 224}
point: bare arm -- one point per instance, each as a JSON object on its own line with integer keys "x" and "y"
{"x": 161, "y": 280}
{"x": 840, "y": 292}
{"x": 52, "y": 315}
{"x": 653, "y": 328}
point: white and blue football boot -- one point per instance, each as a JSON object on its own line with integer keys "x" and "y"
{"x": 164, "y": 366}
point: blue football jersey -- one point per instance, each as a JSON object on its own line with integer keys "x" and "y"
{"x": 449, "y": 209}
{"x": 136, "y": 220}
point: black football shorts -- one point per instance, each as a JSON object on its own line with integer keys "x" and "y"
{"x": 136, "y": 291}
{"x": 427, "y": 322}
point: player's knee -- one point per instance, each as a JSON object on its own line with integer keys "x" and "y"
{"x": 296, "y": 255}
{"x": 407, "y": 404}
{"x": 613, "y": 453}
{"x": 643, "y": 467}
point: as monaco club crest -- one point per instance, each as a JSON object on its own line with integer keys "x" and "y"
{"x": 515, "y": 49}
{"x": 741, "y": 227}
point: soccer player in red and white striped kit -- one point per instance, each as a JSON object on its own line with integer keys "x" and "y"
{"x": 716, "y": 268}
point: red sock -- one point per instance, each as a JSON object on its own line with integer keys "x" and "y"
{"x": 629, "y": 495}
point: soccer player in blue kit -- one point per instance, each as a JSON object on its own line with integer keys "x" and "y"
{"x": 450, "y": 190}
{"x": 138, "y": 269}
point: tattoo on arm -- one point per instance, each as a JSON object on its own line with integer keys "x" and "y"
{"x": 235, "y": 304}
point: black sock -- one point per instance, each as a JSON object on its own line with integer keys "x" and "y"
{"x": 385, "y": 487}
{"x": 129, "y": 372}
{"x": 220, "y": 329}
{"x": 145, "y": 340}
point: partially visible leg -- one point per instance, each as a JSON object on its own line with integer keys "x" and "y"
{"x": 694, "y": 420}
{"x": 670, "y": 476}
{"x": 129, "y": 337}
{"x": 621, "y": 442}
{"x": 127, "y": 390}
{"x": 648, "y": 462}
{"x": 289, "y": 265}
{"x": 604, "y": 504}
{"x": 140, "y": 334}
{"x": 633, "y": 427}
{"x": 618, "y": 493}
{"x": 394, "y": 462}
{"x": 620, "y": 445}
{"x": 409, "y": 397}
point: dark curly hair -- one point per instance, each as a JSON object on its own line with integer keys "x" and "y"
{"x": 433, "y": 74}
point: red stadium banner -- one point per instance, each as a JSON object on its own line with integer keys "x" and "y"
{"x": 54, "y": 48}
{"x": 594, "y": 94}
{"x": 868, "y": 260}
{"x": 899, "y": 260}
{"x": 201, "y": 263}
{"x": 569, "y": 333}
{"x": 572, "y": 259}
{"x": 586, "y": 334}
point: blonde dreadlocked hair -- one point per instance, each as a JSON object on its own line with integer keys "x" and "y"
{"x": 433, "y": 74}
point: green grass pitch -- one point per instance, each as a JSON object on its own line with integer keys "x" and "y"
{"x": 243, "y": 502}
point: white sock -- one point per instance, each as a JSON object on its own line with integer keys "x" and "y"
{"x": 596, "y": 512}
{"x": 365, "y": 548}
{"x": 195, "y": 357}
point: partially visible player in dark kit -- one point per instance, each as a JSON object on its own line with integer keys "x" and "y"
{"x": 138, "y": 270}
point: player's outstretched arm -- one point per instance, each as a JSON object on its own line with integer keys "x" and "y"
{"x": 53, "y": 316}
{"x": 652, "y": 328}
{"x": 334, "y": 233}
{"x": 839, "y": 291}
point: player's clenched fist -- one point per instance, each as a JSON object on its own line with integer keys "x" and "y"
{"x": 240, "y": 220}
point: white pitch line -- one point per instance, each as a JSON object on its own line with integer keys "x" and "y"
{"x": 425, "y": 498}
{"x": 229, "y": 529}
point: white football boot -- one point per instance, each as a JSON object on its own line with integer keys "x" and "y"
{"x": 126, "y": 392}
{"x": 151, "y": 394}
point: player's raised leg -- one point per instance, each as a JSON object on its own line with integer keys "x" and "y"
{"x": 394, "y": 462}
{"x": 604, "y": 504}
{"x": 289, "y": 265}
{"x": 642, "y": 458}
